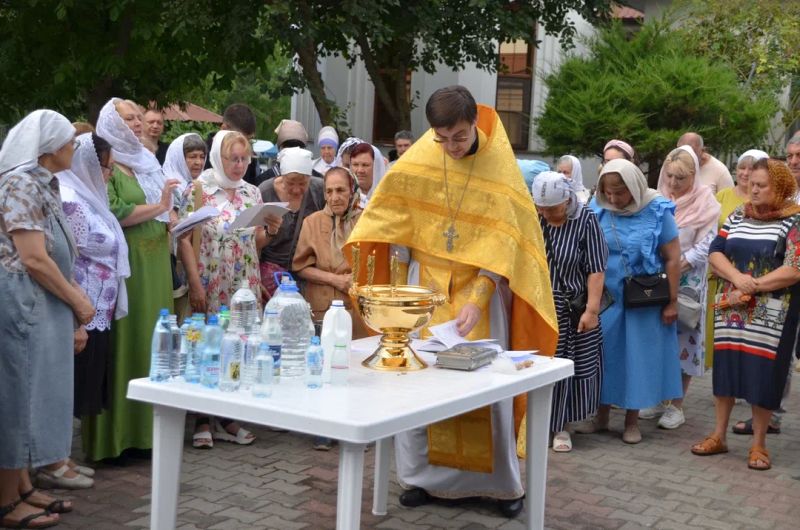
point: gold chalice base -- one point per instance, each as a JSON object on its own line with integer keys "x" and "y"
{"x": 395, "y": 312}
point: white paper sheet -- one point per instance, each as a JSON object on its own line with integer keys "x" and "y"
{"x": 445, "y": 336}
{"x": 195, "y": 219}
{"x": 254, "y": 216}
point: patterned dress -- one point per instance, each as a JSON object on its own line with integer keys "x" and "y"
{"x": 575, "y": 250}
{"x": 227, "y": 258}
{"x": 754, "y": 342}
{"x": 694, "y": 283}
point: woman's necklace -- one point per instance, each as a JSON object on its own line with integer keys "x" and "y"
{"x": 451, "y": 234}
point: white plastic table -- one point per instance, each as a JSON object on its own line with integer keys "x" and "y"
{"x": 374, "y": 406}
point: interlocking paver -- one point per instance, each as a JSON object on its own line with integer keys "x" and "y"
{"x": 281, "y": 483}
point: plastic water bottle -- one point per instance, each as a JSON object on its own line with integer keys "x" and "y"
{"x": 249, "y": 361}
{"x": 212, "y": 340}
{"x": 230, "y": 361}
{"x": 244, "y": 310}
{"x": 161, "y": 348}
{"x": 224, "y": 317}
{"x": 263, "y": 373}
{"x": 183, "y": 351}
{"x": 175, "y": 348}
{"x": 314, "y": 358}
{"x": 340, "y": 365}
{"x": 271, "y": 336}
{"x": 194, "y": 341}
{"x": 294, "y": 315}
{"x": 337, "y": 328}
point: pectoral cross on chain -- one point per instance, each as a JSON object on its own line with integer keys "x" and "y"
{"x": 451, "y": 235}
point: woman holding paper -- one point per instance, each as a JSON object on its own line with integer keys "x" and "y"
{"x": 227, "y": 259}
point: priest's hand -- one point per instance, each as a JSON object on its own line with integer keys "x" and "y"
{"x": 468, "y": 317}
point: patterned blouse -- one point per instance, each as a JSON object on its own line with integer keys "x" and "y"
{"x": 226, "y": 257}
{"x": 96, "y": 265}
{"x": 27, "y": 198}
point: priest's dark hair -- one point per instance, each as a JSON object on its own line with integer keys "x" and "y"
{"x": 451, "y": 105}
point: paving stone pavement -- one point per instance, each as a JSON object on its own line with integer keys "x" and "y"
{"x": 281, "y": 483}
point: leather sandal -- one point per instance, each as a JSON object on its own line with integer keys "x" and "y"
{"x": 25, "y": 522}
{"x": 57, "y": 506}
{"x": 746, "y": 427}
{"x": 711, "y": 445}
{"x": 758, "y": 454}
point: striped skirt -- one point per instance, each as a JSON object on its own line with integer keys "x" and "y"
{"x": 576, "y": 398}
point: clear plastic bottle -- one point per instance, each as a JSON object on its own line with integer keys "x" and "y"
{"x": 249, "y": 361}
{"x": 230, "y": 361}
{"x": 313, "y": 363}
{"x": 340, "y": 365}
{"x": 194, "y": 341}
{"x": 183, "y": 352}
{"x": 161, "y": 348}
{"x": 224, "y": 317}
{"x": 337, "y": 328}
{"x": 294, "y": 315}
{"x": 244, "y": 310}
{"x": 271, "y": 336}
{"x": 212, "y": 339}
{"x": 175, "y": 349}
{"x": 263, "y": 377}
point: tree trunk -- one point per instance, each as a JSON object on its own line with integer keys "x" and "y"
{"x": 307, "y": 58}
{"x": 394, "y": 99}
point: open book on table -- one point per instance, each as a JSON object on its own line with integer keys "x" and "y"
{"x": 445, "y": 336}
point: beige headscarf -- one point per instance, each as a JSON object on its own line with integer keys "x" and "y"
{"x": 634, "y": 180}
{"x": 343, "y": 224}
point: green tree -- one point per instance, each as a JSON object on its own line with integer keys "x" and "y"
{"x": 72, "y": 55}
{"x": 759, "y": 40}
{"x": 396, "y": 37}
{"x": 648, "y": 89}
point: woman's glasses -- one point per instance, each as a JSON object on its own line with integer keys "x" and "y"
{"x": 238, "y": 159}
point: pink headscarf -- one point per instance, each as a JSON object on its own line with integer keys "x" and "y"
{"x": 698, "y": 208}
{"x": 625, "y": 147}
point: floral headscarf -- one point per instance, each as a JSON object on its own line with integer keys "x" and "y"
{"x": 785, "y": 188}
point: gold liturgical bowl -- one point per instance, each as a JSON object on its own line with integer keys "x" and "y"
{"x": 395, "y": 312}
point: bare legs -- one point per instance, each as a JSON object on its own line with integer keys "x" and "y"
{"x": 12, "y": 482}
{"x": 685, "y": 379}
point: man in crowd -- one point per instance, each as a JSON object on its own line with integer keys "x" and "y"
{"x": 290, "y": 133}
{"x": 465, "y": 162}
{"x": 402, "y": 141}
{"x": 240, "y": 118}
{"x": 153, "y": 129}
{"x": 713, "y": 173}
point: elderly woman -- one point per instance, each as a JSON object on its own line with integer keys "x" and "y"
{"x": 184, "y": 161}
{"x": 100, "y": 269}
{"x": 696, "y": 213}
{"x": 576, "y": 255}
{"x": 141, "y": 199}
{"x": 729, "y": 199}
{"x": 640, "y": 367}
{"x": 319, "y": 259}
{"x": 305, "y": 195}
{"x": 328, "y": 142}
{"x": 367, "y": 164}
{"x": 40, "y": 306}
{"x": 570, "y": 167}
{"x": 757, "y": 257}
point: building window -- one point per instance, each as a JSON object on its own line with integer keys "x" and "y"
{"x": 514, "y": 84}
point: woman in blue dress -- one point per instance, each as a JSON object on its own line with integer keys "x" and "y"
{"x": 640, "y": 367}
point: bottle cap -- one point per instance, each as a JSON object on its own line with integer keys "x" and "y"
{"x": 212, "y": 319}
{"x": 315, "y": 341}
{"x": 340, "y": 346}
{"x": 337, "y": 303}
{"x": 272, "y": 312}
{"x": 164, "y": 312}
{"x": 223, "y": 308}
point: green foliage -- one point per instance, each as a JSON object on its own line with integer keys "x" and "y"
{"x": 759, "y": 40}
{"x": 648, "y": 89}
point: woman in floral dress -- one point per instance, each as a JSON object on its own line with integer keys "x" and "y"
{"x": 227, "y": 259}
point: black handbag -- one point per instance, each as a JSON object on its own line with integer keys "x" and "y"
{"x": 645, "y": 290}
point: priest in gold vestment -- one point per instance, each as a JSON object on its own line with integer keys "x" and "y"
{"x": 455, "y": 209}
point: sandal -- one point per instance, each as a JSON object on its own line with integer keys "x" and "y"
{"x": 711, "y": 445}
{"x": 746, "y": 427}
{"x": 57, "y": 506}
{"x": 591, "y": 426}
{"x": 758, "y": 454}
{"x": 203, "y": 440}
{"x": 562, "y": 442}
{"x": 242, "y": 436}
{"x": 25, "y": 522}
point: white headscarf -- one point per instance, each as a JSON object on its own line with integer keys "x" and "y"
{"x": 634, "y": 180}
{"x": 295, "y": 160}
{"x": 346, "y": 145}
{"x": 39, "y": 133}
{"x": 86, "y": 178}
{"x": 576, "y": 178}
{"x": 175, "y": 166}
{"x": 757, "y": 154}
{"x": 551, "y": 189}
{"x": 127, "y": 149}
{"x": 217, "y": 169}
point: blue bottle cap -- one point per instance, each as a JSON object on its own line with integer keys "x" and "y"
{"x": 223, "y": 308}
{"x": 164, "y": 312}
{"x": 212, "y": 319}
{"x": 315, "y": 341}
